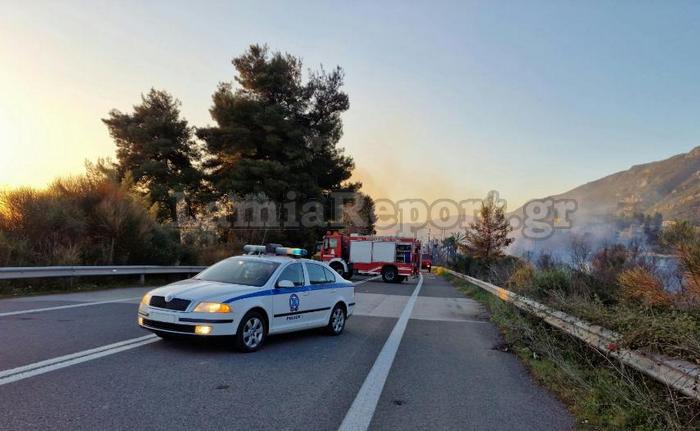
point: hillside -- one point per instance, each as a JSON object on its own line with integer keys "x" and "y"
{"x": 670, "y": 187}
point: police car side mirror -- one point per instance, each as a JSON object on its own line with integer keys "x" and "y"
{"x": 285, "y": 283}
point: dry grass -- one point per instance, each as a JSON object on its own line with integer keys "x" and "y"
{"x": 522, "y": 276}
{"x": 639, "y": 285}
{"x": 602, "y": 393}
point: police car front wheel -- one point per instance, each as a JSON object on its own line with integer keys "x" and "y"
{"x": 336, "y": 323}
{"x": 251, "y": 332}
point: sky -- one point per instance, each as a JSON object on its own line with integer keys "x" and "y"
{"x": 448, "y": 99}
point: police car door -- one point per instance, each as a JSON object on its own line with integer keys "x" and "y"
{"x": 321, "y": 282}
{"x": 289, "y": 303}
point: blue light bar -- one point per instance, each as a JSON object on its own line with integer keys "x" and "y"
{"x": 287, "y": 251}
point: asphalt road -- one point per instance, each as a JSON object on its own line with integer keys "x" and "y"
{"x": 443, "y": 372}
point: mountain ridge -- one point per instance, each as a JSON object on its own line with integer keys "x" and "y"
{"x": 670, "y": 186}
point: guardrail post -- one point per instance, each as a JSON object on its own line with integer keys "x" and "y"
{"x": 142, "y": 279}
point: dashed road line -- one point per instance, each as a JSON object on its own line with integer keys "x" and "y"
{"x": 359, "y": 416}
{"x": 26, "y": 371}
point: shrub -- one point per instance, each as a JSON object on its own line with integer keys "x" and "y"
{"x": 469, "y": 265}
{"x": 555, "y": 280}
{"x": 547, "y": 261}
{"x": 89, "y": 220}
{"x": 606, "y": 266}
{"x": 669, "y": 332}
{"x": 683, "y": 240}
{"x": 641, "y": 286}
{"x": 609, "y": 261}
{"x": 522, "y": 277}
{"x": 501, "y": 270}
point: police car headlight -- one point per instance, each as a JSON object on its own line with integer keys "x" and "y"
{"x": 212, "y": 307}
{"x": 146, "y": 299}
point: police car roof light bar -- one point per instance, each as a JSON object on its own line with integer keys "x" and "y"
{"x": 277, "y": 249}
{"x": 288, "y": 251}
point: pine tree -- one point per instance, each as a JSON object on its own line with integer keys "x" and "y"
{"x": 487, "y": 235}
{"x": 276, "y": 133}
{"x": 155, "y": 147}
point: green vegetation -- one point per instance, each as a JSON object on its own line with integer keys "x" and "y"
{"x": 600, "y": 392}
{"x": 155, "y": 147}
{"x": 619, "y": 287}
{"x": 175, "y": 194}
{"x": 487, "y": 236}
{"x": 92, "y": 219}
{"x": 276, "y": 138}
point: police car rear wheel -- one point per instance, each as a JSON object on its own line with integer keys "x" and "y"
{"x": 251, "y": 332}
{"x": 336, "y": 324}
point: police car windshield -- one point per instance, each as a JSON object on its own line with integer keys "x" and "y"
{"x": 239, "y": 271}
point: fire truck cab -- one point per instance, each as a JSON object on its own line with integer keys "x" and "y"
{"x": 394, "y": 258}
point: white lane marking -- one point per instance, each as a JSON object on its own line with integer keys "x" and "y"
{"x": 26, "y": 371}
{"x": 366, "y": 280}
{"x": 362, "y": 409}
{"x": 61, "y": 307}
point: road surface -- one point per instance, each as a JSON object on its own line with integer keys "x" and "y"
{"x": 78, "y": 361}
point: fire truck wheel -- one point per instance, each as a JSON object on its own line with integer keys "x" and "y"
{"x": 337, "y": 267}
{"x": 390, "y": 274}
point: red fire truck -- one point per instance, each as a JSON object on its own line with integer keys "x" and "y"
{"x": 393, "y": 257}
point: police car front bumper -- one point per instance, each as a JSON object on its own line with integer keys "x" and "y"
{"x": 200, "y": 324}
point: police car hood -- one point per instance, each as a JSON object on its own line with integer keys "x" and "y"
{"x": 201, "y": 290}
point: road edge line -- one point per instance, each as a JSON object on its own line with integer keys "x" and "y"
{"x": 359, "y": 416}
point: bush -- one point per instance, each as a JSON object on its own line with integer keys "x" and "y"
{"x": 683, "y": 240}
{"x": 552, "y": 281}
{"x": 87, "y": 220}
{"x": 522, "y": 277}
{"x": 497, "y": 271}
{"x": 609, "y": 262}
{"x": 641, "y": 286}
{"x": 664, "y": 331}
{"x": 469, "y": 265}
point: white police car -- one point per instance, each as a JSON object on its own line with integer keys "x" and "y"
{"x": 250, "y": 297}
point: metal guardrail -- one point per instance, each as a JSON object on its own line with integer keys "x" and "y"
{"x": 16, "y": 273}
{"x": 680, "y": 375}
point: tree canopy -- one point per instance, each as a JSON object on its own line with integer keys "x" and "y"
{"x": 276, "y": 132}
{"x": 155, "y": 146}
{"x": 487, "y": 236}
